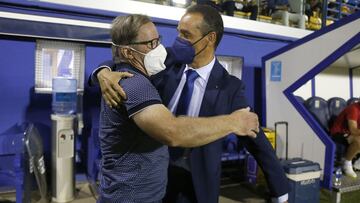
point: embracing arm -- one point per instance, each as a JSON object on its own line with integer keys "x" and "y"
{"x": 108, "y": 79}
{"x": 105, "y": 76}
{"x": 109, "y": 65}
{"x": 158, "y": 122}
{"x": 106, "y": 65}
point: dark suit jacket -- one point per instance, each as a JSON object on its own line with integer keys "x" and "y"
{"x": 224, "y": 94}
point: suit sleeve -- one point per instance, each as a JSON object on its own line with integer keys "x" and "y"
{"x": 239, "y": 100}
{"x": 92, "y": 81}
{"x": 263, "y": 152}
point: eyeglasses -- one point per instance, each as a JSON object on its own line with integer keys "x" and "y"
{"x": 151, "y": 44}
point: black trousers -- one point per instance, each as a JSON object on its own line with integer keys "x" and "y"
{"x": 228, "y": 7}
{"x": 180, "y": 184}
{"x": 253, "y": 9}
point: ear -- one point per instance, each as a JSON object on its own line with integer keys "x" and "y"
{"x": 127, "y": 53}
{"x": 212, "y": 37}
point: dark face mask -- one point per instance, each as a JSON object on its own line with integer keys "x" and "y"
{"x": 183, "y": 51}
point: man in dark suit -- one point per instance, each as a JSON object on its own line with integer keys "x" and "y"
{"x": 194, "y": 174}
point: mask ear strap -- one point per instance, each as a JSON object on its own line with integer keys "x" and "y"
{"x": 201, "y": 50}
{"x": 137, "y": 51}
{"x": 200, "y": 39}
{"x": 142, "y": 65}
{"x": 134, "y": 58}
{"x": 126, "y": 46}
{"x": 115, "y": 45}
{"x": 197, "y": 40}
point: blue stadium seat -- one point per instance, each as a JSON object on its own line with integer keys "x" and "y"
{"x": 324, "y": 111}
{"x": 335, "y": 105}
{"x": 353, "y": 100}
{"x": 233, "y": 150}
{"x": 318, "y": 107}
{"x": 12, "y": 153}
{"x": 21, "y": 147}
{"x": 300, "y": 99}
{"x": 230, "y": 148}
{"x": 230, "y": 143}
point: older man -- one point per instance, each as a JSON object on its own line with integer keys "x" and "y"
{"x": 132, "y": 136}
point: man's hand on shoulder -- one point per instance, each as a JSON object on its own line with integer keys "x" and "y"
{"x": 111, "y": 91}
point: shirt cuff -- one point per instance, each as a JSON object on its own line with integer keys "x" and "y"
{"x": 281, "y": 199}
{"x": 94, "y": 79}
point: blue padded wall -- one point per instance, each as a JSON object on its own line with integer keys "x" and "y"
{"x": 16, "y": 80}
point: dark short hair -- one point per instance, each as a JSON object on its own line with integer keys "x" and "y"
{"x": 212, "y": 20}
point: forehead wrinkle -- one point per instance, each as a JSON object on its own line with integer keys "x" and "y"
{"x": 147, "y": 33}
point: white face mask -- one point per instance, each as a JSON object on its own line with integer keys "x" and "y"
{"x": 153, "y": 60}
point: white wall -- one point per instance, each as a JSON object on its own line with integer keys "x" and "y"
{"x": 304, "y": 91}
{"x": 233, "y": 65}
{"x": 303, "y": 142}
{"x": 333, "y": 82}
{"x": 356, "y": 82}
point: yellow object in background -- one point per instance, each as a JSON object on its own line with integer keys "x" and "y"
{"x": 345, "y": 9}
{"x": 315, "y": 23}
{"x": 329, "y": 22}
{"x": 270, "y": 135}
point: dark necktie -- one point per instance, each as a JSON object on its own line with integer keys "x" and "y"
{"x": 186, "y": 93}
{"x": 182, "y": 108}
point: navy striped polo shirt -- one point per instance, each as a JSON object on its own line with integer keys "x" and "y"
{"x": 133, "y": 165}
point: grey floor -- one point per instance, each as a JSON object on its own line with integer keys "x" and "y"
{"x": 232, "y": 189}
{"x": 232, "y": 193}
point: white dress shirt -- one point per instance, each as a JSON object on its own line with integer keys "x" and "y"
{"x": 198, "y": 92}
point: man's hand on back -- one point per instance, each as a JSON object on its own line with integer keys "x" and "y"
{"x": 246, "y": 122}
{"x": 111, "y": 91}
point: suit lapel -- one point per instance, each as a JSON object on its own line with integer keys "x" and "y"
{"x": 172, "y": 83}
{"x": 212, "y": 90}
